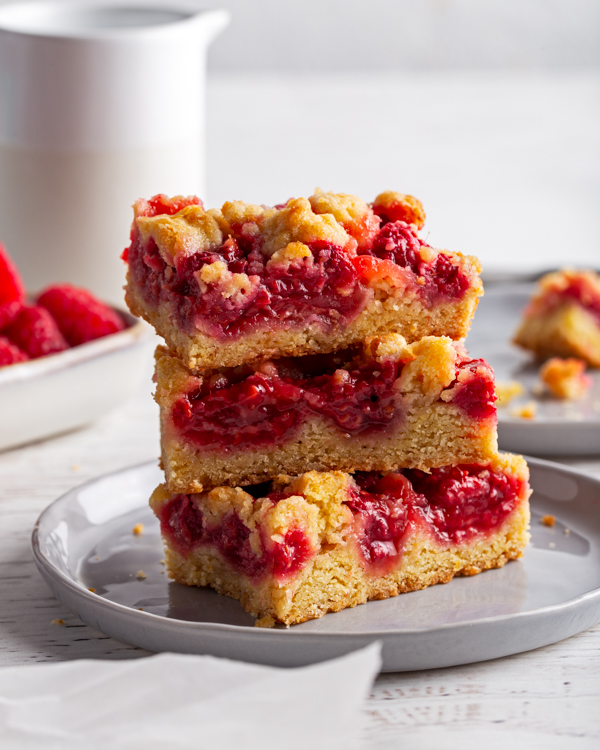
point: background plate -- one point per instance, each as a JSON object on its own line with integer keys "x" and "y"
{"x": 84, "y": 540}
{"x": 561, "y": 428}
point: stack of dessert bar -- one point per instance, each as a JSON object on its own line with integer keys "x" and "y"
{"x": 326, "y": 438}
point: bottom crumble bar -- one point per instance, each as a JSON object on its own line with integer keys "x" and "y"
{"x": 296, "y": 548}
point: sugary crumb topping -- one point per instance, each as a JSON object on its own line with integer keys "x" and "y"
{"x": 357, "y": 218}
{"x": 566, "y": 285}
{"x": 561, "y": 280}
{"x": 565, "y": 378}
{"x": 398, "y": 207}
{"x": 189, "y": 231}
{"x": 181, "y": 226}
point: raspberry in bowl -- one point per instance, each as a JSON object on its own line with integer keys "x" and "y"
{"x": 66, "y": 358}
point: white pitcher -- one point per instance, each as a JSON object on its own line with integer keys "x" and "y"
{"x": 100, "y": 104}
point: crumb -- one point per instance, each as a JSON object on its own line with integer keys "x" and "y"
{"x": 140, "y": 575}
{"x": 75, "y": 468}
{"x": 565, "y": 378}
{"x": 567, "y": 531}
{"x": 96, "y": 558}
{"x": 57, "y": 621}
{"x": 264, "y": 622}
{"x": 525, "y": 412}
{"x": 163, "y": 562}
{"x": 507, "y": 391}
{"x": 93, "y": 590}
{"x": 162, "y": 572}
{"x": 548, "y": 520}
{"x": 138, "y": 529}
{"x": 552, "y": 545}
{"x": 140, "y": 609}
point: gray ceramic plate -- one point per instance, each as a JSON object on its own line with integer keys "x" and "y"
{"x": 85, "y": 540}
{"x": 561, "y": 428}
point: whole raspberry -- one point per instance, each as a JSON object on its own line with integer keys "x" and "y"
{"x": 11, "y": 283}
{"x": 8, "y": 312}
{"x": 9, "y": 353}
{"x": 35, "y": 331}
{"x": 80, "y": 316}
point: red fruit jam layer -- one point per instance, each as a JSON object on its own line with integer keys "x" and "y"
{"x": 454, "y": 503}
{"x": 241, "y": 411}
{"x": 474, "y": 390}
{"x": 186, "y": 528}
{"x": 329, "y": 289}
{"x": 269, "y": 409}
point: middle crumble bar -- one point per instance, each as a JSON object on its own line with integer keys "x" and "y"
{"x": 376, "y": 407}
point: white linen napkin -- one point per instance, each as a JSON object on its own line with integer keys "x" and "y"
{"x": 176, "y": 702}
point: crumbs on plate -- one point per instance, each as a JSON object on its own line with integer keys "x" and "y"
{"x": 57, "y": 621}
{"x": 548, "y": 520}
{"x": 138, "y": 529}
{"x": 527, "y": 411}
{"x": 140, "y": 575}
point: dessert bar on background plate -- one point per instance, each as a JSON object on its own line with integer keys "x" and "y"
{"x": 85, "y": 540}
{"x": 559, "y": 428}
{"x": 379, "y": 406}
{"x": 243, "y": 283}
{"x": 563, "y": 317}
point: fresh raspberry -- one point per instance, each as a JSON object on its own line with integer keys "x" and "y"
{"x": 80, "y": 316}
{"x": 11, "y": 284}
{"x": 35, "y": 331}
{"x": 9, "y": 353}
{"x": 8, "y": 312}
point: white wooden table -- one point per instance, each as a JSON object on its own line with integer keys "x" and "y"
{"x": 549, "y": 698}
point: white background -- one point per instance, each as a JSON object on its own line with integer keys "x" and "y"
{"x": 487, "y": 110}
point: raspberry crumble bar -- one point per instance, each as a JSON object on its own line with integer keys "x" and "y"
{"x": 563, "y": 318}
{"x": 247, "y": 283}
{"x": 296, "y": 548}
{"x": 381, "y": 405}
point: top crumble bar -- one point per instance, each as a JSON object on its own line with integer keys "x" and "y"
{"x": 246, "y": 283}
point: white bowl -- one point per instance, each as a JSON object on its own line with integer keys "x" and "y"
{"x": 60, "y": 392}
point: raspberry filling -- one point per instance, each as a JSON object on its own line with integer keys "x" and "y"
{"x": 438, "y": 280}
{"x": 474, "y": 390}
{"x": 322, "y": 289}
{"x": 186, "y": 528}
{"x": 328, "y": 289}
{"x": 236, "y": 410}
{"x": 454, "y": 503}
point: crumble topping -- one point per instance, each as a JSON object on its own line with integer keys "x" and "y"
{"x": 190, "y": 231}
{"x": 394, "y": 206}
{"x": 357, "y": 218}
